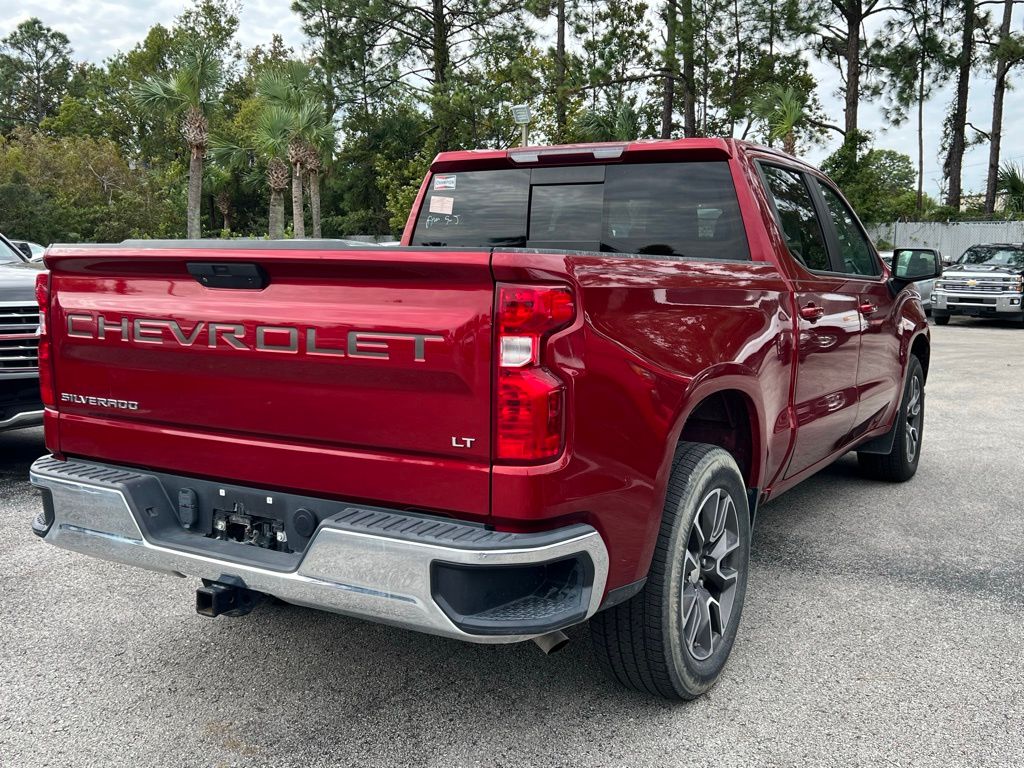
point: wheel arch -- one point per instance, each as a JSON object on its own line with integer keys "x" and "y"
{"x": 921, "y": 348}
{"x": 725, "y": 410}
{"x": 700, "y": 419}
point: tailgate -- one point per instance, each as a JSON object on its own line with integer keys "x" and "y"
{"x": 361, "y": 373}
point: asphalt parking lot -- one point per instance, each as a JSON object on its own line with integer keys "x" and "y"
{"x": 884, "y": 625}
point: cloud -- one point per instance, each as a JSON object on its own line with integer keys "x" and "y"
{"x": 98, "y": 30}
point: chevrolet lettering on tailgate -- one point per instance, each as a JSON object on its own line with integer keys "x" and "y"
{"x": 263, "y": 338}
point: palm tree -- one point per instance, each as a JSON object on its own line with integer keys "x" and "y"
{"x": 1010, "y": 182}
{"x": 620, "y": 124}
{"x": 261, "y": 160}
{"x": 319, "y": 147}
{"x": 218, "y": 181}
{"x": 784, "y": 110}
{"x": 313, "y": 167}
{"x": 189, "y": 94}
{"x": 290, "y": 88}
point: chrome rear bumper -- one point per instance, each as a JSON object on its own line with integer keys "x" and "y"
{"x": 359, "y": 572}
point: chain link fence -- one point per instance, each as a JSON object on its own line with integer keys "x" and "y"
{"x": 950, "y": 238}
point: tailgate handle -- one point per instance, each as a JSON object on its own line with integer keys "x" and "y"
{"x": 231, "y": 275}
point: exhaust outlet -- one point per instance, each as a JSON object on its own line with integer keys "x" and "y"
{"x": 552, "y": 642}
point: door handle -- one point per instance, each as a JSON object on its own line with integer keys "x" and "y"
{"x": 812, "y": 312}
{"x": 867, "y": 308}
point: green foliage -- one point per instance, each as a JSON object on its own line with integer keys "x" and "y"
{"x": 783, "y": 111}
{"x": 1010, "y": 182}
{"x": 378, "y": 168}
{"x": 386, "y": 84}
{"x": 879, "y": 183}
{"x": 194, "y": 83}
{"x": 80, "y": 188}
{"x": 624, "y": 123}
{"x": 35, "y": 66}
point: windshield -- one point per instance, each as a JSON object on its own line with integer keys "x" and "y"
{"x": 9, "y": 254}
{"x": 993, "y": 256}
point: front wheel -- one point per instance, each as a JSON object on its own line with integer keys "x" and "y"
{"x": 941, "y": 319}
{"x": 673, "y": 638}
{"x": 900, "y": 464}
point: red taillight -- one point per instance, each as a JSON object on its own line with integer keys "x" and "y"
{"x": 46, "y": 390}
{"x": 530, "y": 408}
{"x": 533, "y": 309}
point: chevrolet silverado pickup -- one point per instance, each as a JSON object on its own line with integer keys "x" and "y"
{"x": 20, "y": 405}
{"x": 562, "y": 398}
{"x": 986, "y": 281}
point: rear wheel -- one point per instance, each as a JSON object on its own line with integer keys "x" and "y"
{"x": 673, "y": 638}
{"x": 900, "y": 463}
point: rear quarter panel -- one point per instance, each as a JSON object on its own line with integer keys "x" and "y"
{"x": 652, "y": 338}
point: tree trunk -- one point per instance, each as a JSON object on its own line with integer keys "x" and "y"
{"x": 958, "y": 125}
{"x": 668, "y": 95}
{"x": 996, "y": 135}
{"x": 314, "y": 202}
{"x": 195, "y": 194}
{"x": 921, "y": 26}
{"x": 735, "y": 90}
{"x": 789, "y": 143}
{"x": 298, "y": 219}
{"x": 921, "y": 134}
{"x": 442, "y": 63}
{"x": 275, "y": 216}
{"x": 853, "y": 22}
{"x": 222, "y": 201}
{"x": 687, "y": 33}
{"x": 560, "y": 92}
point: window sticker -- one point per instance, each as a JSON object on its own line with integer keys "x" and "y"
{"x": 444, "y": 182}
{"x": 442, "y": 204}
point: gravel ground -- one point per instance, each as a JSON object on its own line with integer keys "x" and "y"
{"x": 883, "y": 626}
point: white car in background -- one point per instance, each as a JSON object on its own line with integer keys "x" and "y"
{"x": 32, "y": 251}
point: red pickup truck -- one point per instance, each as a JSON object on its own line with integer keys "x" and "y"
{"x": 562, "y": 398}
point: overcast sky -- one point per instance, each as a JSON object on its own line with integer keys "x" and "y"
{"x": 99, "y": 28}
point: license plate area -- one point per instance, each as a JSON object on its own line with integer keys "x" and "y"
{"x": 255, "y": 530}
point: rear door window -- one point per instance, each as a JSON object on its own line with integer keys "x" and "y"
{"x": 798, "y": 218}
{"x": 856, "y": 256}
{"x": 683, "y": 209}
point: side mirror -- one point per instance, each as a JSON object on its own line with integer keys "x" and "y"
{"x": 24, "y": 248}
{"x": 911, "y": 264}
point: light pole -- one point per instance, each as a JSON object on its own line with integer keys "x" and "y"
{"x": 521, "y": 115}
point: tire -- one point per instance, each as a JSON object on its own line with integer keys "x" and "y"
{"x": 900, "y": 464}
{"x": 641, "y": 643}
{"x": 941, "y": 319}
